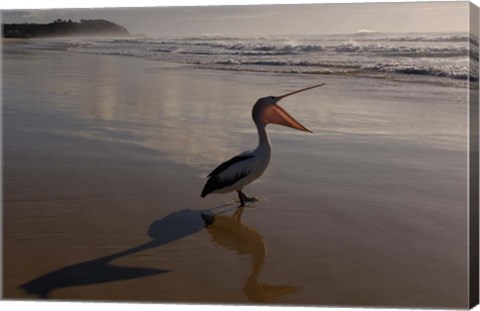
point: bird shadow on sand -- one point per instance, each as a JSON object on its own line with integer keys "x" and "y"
{"x": 227, "y": 231}
{"x": 170, "y": 228}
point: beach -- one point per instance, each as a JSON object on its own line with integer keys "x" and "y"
{"x": 105, "y": 157}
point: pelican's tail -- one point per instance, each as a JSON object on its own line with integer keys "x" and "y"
{"x": 207, "y": 189}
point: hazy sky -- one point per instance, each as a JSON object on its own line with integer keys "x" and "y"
{"x": 269, "y": 19}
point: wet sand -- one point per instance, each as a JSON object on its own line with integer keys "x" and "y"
{"x": 105, "y": 158}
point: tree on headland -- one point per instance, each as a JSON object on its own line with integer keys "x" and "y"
{"x": 65, "y": 28}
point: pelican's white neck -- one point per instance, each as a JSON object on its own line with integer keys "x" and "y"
{"x": 263, "y": 141}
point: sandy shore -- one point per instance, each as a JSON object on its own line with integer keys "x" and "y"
{"x": 12, "y": 41}
{"x": 105, "y": 158}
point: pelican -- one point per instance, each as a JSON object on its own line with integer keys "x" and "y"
{"x": 243, "y": 169}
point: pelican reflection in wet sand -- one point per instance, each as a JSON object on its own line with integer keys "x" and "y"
{"x": 243, "y": 169}
{"x": 232, "y": 234}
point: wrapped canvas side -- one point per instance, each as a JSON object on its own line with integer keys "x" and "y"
{"x": 473, "y": 157}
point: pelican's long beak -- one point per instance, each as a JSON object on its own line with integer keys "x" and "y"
{"x": 277, "y": 115}
{"x": 298, "y": 91}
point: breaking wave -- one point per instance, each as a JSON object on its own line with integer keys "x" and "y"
{"x": 458, "y": 73}
{"x": 427, "y": 55}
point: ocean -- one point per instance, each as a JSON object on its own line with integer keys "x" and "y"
{"x": 419, "y": 57}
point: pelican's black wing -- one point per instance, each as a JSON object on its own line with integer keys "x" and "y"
{"x": 229, "y": 163}
{"x": 215, "y": 182}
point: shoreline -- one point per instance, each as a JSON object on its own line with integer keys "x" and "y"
{"x": 59, "y": 44}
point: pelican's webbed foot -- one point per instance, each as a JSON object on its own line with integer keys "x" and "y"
{"x": 243, "y": 198}
{"x": 251, "y": 199}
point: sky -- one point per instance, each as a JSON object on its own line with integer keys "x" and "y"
{"x": 258, "y": 20}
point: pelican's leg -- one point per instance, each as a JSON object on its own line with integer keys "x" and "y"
{"x": 247, "y": 199}
{"x": 241, "y": 197}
